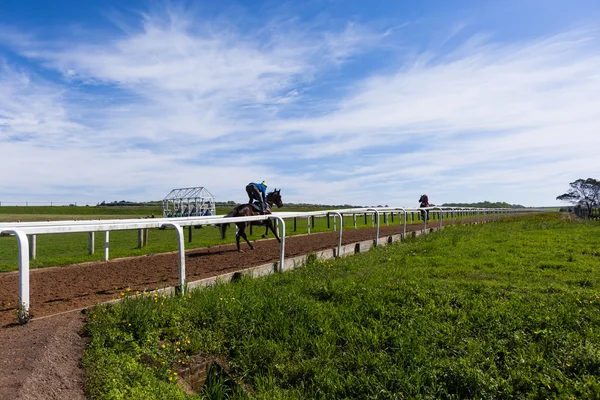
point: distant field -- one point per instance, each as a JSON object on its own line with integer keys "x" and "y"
{"x": 60, "y": 213}
{"x": 508, "y": 309}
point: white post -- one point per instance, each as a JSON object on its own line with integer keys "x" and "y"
{"x": 23, "y": 312}
{"x": 91, "y": 240}
{"x": 441, "y": 215}
{"x": 32, "y": 246}
{"x": 404, "y": 213}
{"x": 106, "y": 238}
{"x": 282, "y": 243}
{"x": 180, "y": 240}
{"x": 339, "y": 248}
{"x": 376, "y": 214}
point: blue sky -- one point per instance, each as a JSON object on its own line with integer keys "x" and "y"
{"x": 334, "y": 102}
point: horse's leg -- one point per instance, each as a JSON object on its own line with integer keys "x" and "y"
{"x": 267, "y": 223}
{"x": 237, "y": 237}
{"x": 237, "y": 242}
{"x": 242, "y": 233}
{"x": 272, "y": 226}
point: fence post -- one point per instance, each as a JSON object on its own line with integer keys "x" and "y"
{"x": 91, "y": 237}
{"x": 23, "y": 311}
{"x": 106, "y": 239}
{"x": 32, "y": 246}
{"x": 181, "y": 253}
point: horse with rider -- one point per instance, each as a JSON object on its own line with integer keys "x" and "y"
{"x": 259, "y": 203}
{"x": 423, "y": 203}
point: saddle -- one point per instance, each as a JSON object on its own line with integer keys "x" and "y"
{"x": 257, "y": 209}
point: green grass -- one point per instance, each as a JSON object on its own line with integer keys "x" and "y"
{"x": 508, "y": 309}
{"x": 42, "y": 213}
{"x": 65, "y": 249}
{"x": 7, "y": 213}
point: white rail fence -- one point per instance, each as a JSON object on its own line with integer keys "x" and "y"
{"x": 26, "y": 232}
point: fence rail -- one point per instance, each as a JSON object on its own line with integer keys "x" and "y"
{"x": 26, "y": 232}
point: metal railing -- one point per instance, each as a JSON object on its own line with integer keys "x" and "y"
{"x": 23, "y": 231}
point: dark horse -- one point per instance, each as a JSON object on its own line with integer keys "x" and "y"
{"x": 246, "y": 210}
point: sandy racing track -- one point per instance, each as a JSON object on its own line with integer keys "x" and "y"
{"x": 40, "y": 360}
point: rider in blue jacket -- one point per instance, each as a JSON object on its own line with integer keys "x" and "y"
{"x": 258, "y": 192}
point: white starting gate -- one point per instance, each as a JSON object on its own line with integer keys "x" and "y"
{"x": 189, "y": 202}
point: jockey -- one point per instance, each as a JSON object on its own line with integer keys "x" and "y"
{"x": 258, "y": 192}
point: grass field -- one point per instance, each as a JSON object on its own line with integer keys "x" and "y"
{"x": 508, "y": 309}
{"x": 54, "y": 213}
{"x": 66, "y": 249}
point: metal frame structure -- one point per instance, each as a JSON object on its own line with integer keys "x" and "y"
{"x": 189, "y": 202}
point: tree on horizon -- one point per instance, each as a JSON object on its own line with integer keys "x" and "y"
{"x": 584, "y": 193}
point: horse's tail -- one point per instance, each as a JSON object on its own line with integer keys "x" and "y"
{"x": 223, "y": 230}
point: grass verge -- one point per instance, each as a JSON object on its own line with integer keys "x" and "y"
{"x": 508, "y": 309}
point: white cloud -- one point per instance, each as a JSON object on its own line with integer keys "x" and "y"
{"x": 177, "y": 104}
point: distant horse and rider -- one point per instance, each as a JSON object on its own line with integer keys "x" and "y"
{"x": 424, "y": 202}
{"x": 258, "y": 205}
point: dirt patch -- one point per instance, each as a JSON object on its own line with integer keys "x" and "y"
{"x": 41, "y": 360}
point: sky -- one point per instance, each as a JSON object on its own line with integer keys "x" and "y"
{"x": 333, "y": 102}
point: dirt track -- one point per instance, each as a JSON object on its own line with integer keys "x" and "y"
{"x": 40, "y": 360}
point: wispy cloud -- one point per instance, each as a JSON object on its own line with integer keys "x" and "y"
{"x": 173, "y": 100}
